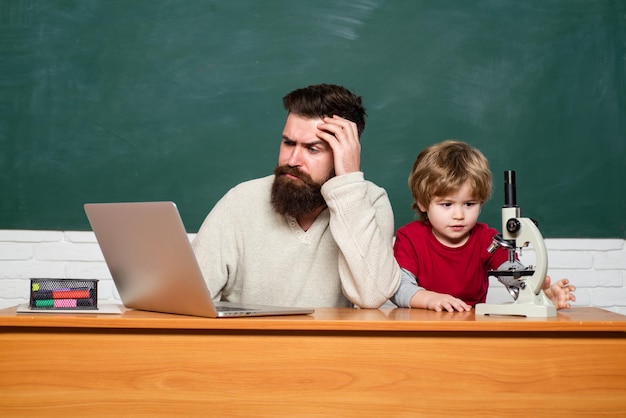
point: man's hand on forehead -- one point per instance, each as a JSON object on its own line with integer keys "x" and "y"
{"x": 343, "y": 137}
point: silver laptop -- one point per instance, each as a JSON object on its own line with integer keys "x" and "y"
{"x": 148, "y": 253}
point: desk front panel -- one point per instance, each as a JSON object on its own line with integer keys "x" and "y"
{"x": 117, "y": 372}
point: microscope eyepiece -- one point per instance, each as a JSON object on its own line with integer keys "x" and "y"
{"x": 510, "y": 198}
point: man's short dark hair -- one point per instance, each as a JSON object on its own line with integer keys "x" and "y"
{"x": 323, "y": 100}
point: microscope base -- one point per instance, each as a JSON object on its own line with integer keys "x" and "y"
{"x": 530, "y": 310}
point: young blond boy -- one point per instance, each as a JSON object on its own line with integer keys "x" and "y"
{"x": 443, "y": 256}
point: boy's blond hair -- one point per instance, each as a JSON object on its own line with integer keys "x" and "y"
{"x": 443, "y": 168}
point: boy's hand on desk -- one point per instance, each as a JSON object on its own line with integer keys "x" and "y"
{"x": 426, "y": 299}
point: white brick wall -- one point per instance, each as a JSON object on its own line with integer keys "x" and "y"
{"x": 597, "y": 267}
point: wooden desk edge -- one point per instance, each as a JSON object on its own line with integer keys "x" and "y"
{"x": 329, "y": 319}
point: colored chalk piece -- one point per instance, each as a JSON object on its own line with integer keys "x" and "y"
{"x": 64, "y": 303}
{"x": 44, "y": 303}
{"x": 42, "y": 294}
{"x": 84, "y": 302}
{"x": 35, "y": 287}
{"x": 70, "y": 294}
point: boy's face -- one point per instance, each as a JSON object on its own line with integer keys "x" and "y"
{"x": 453, "y": 216}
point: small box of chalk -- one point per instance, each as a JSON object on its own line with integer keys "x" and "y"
{"x": 51, "y": 294}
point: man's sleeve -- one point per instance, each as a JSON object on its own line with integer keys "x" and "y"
{"x": 211, "y": 247}
{"x": 361, "y": 222}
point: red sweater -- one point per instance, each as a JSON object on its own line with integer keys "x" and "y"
{"x": 461, "y": 272}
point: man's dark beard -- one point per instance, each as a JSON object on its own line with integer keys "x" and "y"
{"x": 296, "y": 198}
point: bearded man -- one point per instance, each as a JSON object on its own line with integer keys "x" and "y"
{"x": 313, "y": 234}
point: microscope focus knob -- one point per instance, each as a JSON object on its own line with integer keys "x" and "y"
{"x": 513, "y": 225}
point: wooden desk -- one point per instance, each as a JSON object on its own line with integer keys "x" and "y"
{"x": 337, "y": 362}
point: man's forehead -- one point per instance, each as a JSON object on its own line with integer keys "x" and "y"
{"x": 293, "y": 118}
{"x": 301, "y": 129}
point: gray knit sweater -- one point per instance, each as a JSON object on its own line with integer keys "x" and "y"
{"x": 249, "y": 253}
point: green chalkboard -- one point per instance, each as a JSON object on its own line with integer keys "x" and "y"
{"x": 126, "y": 100}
